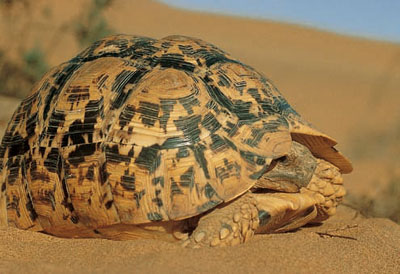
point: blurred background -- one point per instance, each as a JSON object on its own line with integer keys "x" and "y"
{"x": 337, "y": 63}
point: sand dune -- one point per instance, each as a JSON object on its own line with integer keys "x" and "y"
{"x": 347, "y": 87}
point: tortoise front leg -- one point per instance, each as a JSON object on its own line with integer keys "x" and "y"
{"x": 231, "y": 224}
{"x": 237, "y": 221}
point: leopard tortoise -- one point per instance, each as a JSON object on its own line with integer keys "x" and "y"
{"x": 171, "y": 139}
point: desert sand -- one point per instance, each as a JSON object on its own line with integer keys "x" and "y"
{"x": 345, "y": 244}
{"x": 347, "y": 87}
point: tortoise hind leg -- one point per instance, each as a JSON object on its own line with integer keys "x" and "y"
{"x": 3, "y": 209}
{"x": 236, "y": 222}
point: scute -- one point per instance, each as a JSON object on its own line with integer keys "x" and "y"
{"x": 135, "y": 130}
{"x": 321, "y": 145}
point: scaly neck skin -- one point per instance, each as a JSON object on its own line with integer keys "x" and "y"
{"x": 290, "y": 173}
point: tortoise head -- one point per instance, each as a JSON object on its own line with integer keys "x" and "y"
{"x": 291, "y": 172}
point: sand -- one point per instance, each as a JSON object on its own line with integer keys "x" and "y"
{"x": 346, "y": 243}
{"x": 346, "y": 86}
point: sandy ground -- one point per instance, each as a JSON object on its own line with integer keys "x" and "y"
{"x": 345, "y": 244}
{"x": 347, "y": 87}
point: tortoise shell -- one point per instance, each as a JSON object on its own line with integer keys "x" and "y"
{"x": 135, "y": 130}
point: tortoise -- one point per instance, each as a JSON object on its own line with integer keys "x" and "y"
{"x": 171, "y": 139}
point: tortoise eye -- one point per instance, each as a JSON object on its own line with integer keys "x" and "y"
{"x": 274, "y": 162}
{"x": 282, "y": 159}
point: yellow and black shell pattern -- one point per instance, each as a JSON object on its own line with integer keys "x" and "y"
{"x": 135, "y": 130}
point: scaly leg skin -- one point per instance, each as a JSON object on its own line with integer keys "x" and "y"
{"x": 237, "y": 221}
{"x": 327, "y": 182}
